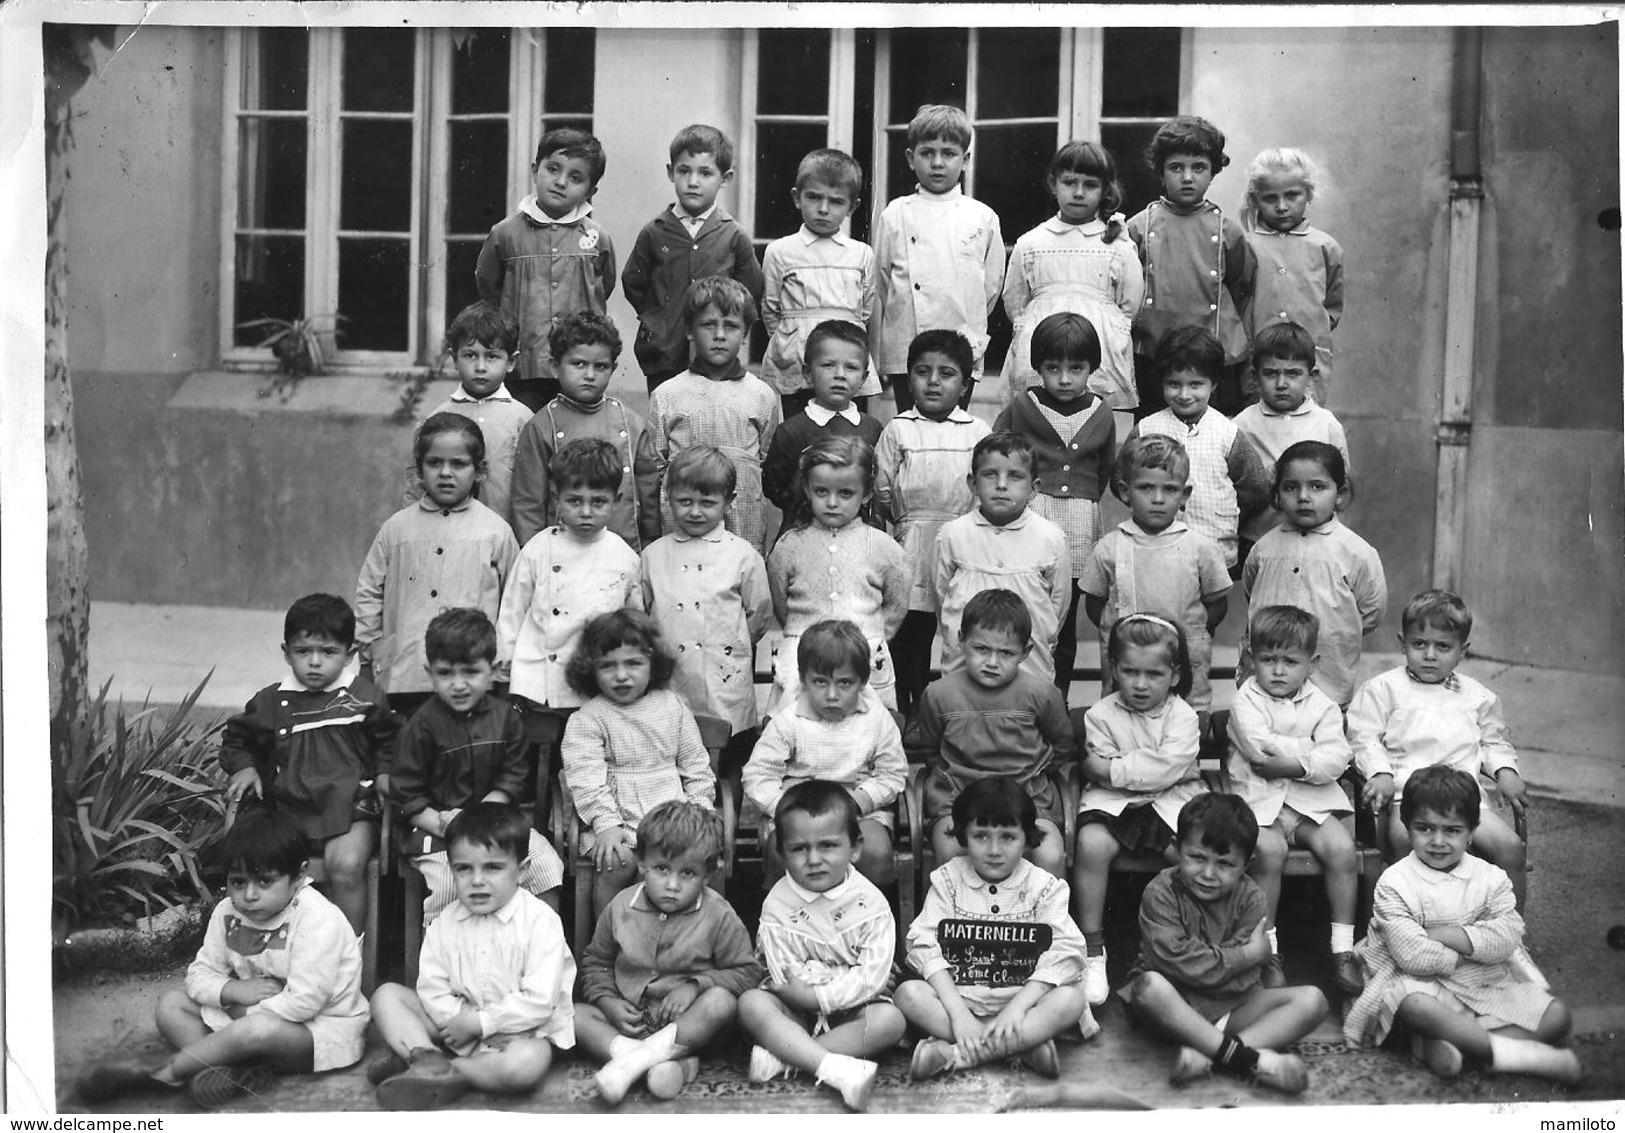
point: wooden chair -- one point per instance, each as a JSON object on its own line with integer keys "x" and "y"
{"x": 714, "y": 733}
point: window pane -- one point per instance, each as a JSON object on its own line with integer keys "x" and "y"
{"x": 1140, "y": 76}
{"x": 478, "y": 175}
{"x": 460, "y": 287}
{"x": 479, "y": 71}
{"x": 271, "y": 173}
{"x": 780, "y": 146}
{"x": 276, "y": 69}
{"x": 1018, "y": 71}
{"x": 794, "y": 73}
{"x": 270, "y": 283}
{"x": 376, "y": 186}
{"x": 567, "y": 86}
{"x": 927, "y": 65}
{"x": 1010, "y": 163}
{"x": 379, "y": 64}
{"x": 373, "y": 294}
{"x": 1127, "y": 144}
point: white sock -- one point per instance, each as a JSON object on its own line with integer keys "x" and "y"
{"x": 622, "y": 1045}
{"x": 1342, "y": 938}
{"x": 1269, "y": 934}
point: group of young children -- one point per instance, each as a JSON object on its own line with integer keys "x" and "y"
{"x": 565, "y": 555}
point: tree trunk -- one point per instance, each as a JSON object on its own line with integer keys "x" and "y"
{"x": 68, "y": 61}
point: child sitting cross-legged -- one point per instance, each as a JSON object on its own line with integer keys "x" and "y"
{"x": 467, "y": 745}
{"x": 668, "y": 961}
{"x": 1034, "y": 993}
{"x": 837, "y": 730}
{"x": 1202, "y": 952}
{"x": 826, "y": 938}
{"x": 1287, "y": 750}
{"x": 494, "y": 980}
{"x": 276, "y": 986}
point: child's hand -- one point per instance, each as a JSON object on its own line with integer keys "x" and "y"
{"x": 624, "y": 1017}
{"x": 1378, "y": 791}
{"x": 463, "y": 1028}
{"x": 798, "y": 994}
{"x": 246, "y": 993}
{"x": 968, "y": 1031}
{"x": 1002, "y": 1035}
{"x": 241, "y": 783}
{"x": 501, "y": 674}
{"x": 677, "y": 1001}
{"x": 612, "y": 849}
{"x": 1512, "y": 789}
{"x": 1257, "y": 944}
{"x": 443, "y": 819}
{"x": 381, "y": 785}
{"x": 1269, "y": 749}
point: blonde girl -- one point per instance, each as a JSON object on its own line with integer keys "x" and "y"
{"x": 828, "y": 566}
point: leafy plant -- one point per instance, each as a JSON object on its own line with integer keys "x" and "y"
{"x": 412, "y": 383}
{"x": 135, "y": 800}
{"x": 297, "y": 346}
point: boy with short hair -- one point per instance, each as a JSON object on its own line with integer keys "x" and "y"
{"x": 1153, "y": 562}
{"x": 693, "y": 238}
{"x": 938, "y": 253}
{"x": 826, "y": 939}
{"x": 1003, "y": 544}
{"x": 1284, "y": 363}
{"x": 1202, "y": 946}
{"x": 550, "y": 259}
{"x": 465, "y": 746}
{"x": 275, "y": 987}
{"x": 718, "y": 402}
{"x": 585, "y": 347}
{"x": 818, "y": 273}
{"x": 837, "y": 358}
{"x": 483, "y": 342}
{"x": 1228, "y": 480}
{"x": 493, "y": 981}
{"x": 991, "y": 717}
{"x": 320, "y": 746}
{"x": 1198, "y": 266}
{"x": 668, "y": 960}
{"x": 969, "y": 1016}
{"x": 1424, "y": 713}
{"x": 1287, "y": 750}
{"x": 839, "y": 731}
{"x": 565, "y": 576}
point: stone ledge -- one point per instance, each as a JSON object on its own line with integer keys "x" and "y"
{"x": 348, "y": 395}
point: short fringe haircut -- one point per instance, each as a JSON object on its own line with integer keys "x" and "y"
{"x": 609, "y": 632}
{"x": 460, "y": 637}
{"x": 1139, "y": 630}
{"x": 1445, "y": 791}
{"x": 1329, "y": 457}
{"x": 997, "y": 609}
{"x": 700, "y": 138}
{"x": 583, "y": 328}
{"x": 1190, "y": 348}
{"x": 320, "y": 615}
{"x": 485, "y": 323}
{"x": 728, "y": 296}
{"x": 949, "y": 343}
{"x": 588, "y": 461}
{"x": 1186, "y": 134}
{"x": 680, "y": 827}
{"x": 1283, "y": 627}
{"x": 835, "y": 330}
{"x": 835, "y": 168}
{"x": 496, "y": 826}
{"x": 834, "y": 452}
{"x": 573, "y": 143}
{"x": 1438, "y": 609}
{"x": 1093, "y": 160}
{"x": 1285, "y": 342}
{"x": 829, "y": 644}
{"x": 934, "y": 120}
{"x": 1221, "y": 822}
{"x": 996, "y": 801}
{"x": 704, "y": 469}
{"x": 1003, "y": 443}
{"x": 1066, "y": 337}
{"x": 816, "y": 798}
{"x": 264, "y": 840}
{"x": 1149, "y": 450}
{"x": 441, "y": 423}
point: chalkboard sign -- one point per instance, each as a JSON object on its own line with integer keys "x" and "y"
{"x": 992, "y": 953}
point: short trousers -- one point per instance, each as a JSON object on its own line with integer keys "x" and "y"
{"x": 1139, "y": 829}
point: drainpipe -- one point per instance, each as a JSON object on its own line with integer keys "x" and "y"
{"x": 1455, "y": 428}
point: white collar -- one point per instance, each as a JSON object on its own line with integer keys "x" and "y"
{"x": 1134, "y": 530}
{"x": 1060, "y": 227}
{"x": 290, "y": 684}
{"x": 1306, "y": 408}
{"x": 716, "y": 535}
{"x": 808, "y": 236}
{"x": 530, "y": 208}
{"x": 1150, "y": 713}
{"x": 429, "y": 505}
{"x": 1018, "y": 875}
{"x": 499, "y": 394}
{"x": 681, "y": 213}
{"x": 1304, "y": 692}
{"x": 1015, "y": 524}
{"x": 1324, "y": 529}
{"x": 822, "y": 416}
{"x": 956, "y": 415}
{"x": 833, "y": 893}
{"x": 462, "y": 912}
{"x": 956, "y": 191}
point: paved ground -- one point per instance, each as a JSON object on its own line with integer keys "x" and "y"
{"x": 1568, "y": 726}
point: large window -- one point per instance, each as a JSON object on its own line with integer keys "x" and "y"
{"x": 364, "y": 166}
{"x": 1027, "y": 91}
